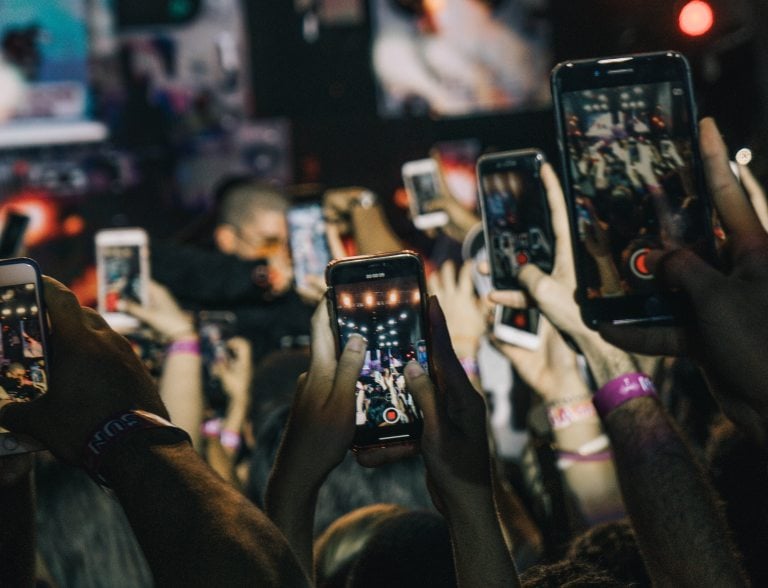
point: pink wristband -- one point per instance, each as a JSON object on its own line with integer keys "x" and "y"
{"x": 230, "y": 439}
{"x": 619, "y": 390}
{"x": 185, "y": 346}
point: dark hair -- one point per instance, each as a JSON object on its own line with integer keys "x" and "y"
{"x": 82, "y": 533}
{"x": 568, "y": 573}
{"x": 412, "y": 549}
{"x": 611, "y": 547}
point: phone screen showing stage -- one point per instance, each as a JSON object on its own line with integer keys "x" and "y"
{"x": 631, "y": 168}
{"x": 23, "y": 375}
{"x": 122, "y": 275}
{"x": 517, "y": 218}
{"x": 424, "y": 189}
{"x": 387, "y": 314}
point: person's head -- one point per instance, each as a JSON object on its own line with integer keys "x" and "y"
{"x": 251, "y": 222}
{"x": 16, "y": 371}
{"x": 337, "y": 548}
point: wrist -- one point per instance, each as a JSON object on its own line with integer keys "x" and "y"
{"x": 126, "y": 429}
{"x": 620, "y": 390}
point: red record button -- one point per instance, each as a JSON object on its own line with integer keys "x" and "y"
{"x": 522, "y": 258}
{"x": 391, "y": 415}
{"x": 520, "y": 321}
{"x": 638, "y": 263}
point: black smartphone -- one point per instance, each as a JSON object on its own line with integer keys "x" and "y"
{"x": 628, "y": 138}
{"x": 23, "y": 342}
{"x": 12, "y": 237}
{"x": 384, "y": 299}
{"x": 515, "y": 212}
{"x": 215, "y": 329}
{"x": 309, "y": 247}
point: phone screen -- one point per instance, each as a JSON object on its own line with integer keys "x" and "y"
{"x": 522, "y": 319}
{"x": 215, "y": 330}
{"x": 516, "y": 215}
{"x": 630, "y": 161}
{"x": 122, "y": 275}
{"x": 309, "y": 247}
{"x": 388, "y": 313}
{"x": 425, "y": 190}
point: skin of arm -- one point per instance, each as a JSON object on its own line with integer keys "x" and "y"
{"x": 17, "y": 513}
{"x": 171, "y": 498}
{"x": 680, "y": 530}
{"x": 457, "y": 456}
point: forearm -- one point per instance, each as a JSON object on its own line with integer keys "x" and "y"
{"x": 17, "y": 534}
{"x": 680, "y": 529}
{"x": 290, "y": 501}
{"x": 523, "y": 537}
{"x": 480, "y": 554}
{"x": 372, "y": 231}
{"x": 610, "y": 281}
{"x": 173, "y": 500}
{"x": 181, "y": 389}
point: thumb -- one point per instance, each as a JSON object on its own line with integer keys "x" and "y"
{"x": 685, "y": 270}
{"x": 17, "y": 416}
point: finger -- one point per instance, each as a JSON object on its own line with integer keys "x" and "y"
{"x": 434, "y": 285}
{"x": 559, "y": 216}
{"x": 448, "y": 275}
{"x": 739, "y": 219}
{"x": 335, "y": 244}
{"x": 419, "y": 384}
{"x": 484, "y": 268}
{"x": 348, "y": 369}
{"x": 133, "y": 308}
{"x": 510, "y": 298}
{"x": 450, "y": 375}
{"x": 683, "y": 269}
{"x": 466, "y": 286}
{"x": 240, "y": 349}
{"x": 756, "y": 195}
{"x": 646, "y": 340}
{"x": 64, "y": 310}
{"x": 323, "y": 345}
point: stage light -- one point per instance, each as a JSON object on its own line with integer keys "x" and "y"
{"x": 368, "y": 299}
{"x": 696, "y": 18}
{"x": 416, "y": 297}
{"x": 394, "y": 297}
{"x": 346, "y": 300}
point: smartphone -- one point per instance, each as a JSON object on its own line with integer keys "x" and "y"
{"x": 215, "y": 329}
{"x": 309, "y": 247}
{"x": 516, "y": 219}
{"x": 474, "y": 249}
{"x": 518, "y": 326}
{"x": 384, "y": 299}
{"x": 12, "y": 237}
{"x": 122, "y": 268}
{"x": 423, "y": 187}
{"x": 23, "y": 343}
{"x": 628, "y": 137}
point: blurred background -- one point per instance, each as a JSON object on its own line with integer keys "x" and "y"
{"x": 127, "y": 112}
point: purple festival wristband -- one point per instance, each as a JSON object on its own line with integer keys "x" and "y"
{"x": 619, "y": 390}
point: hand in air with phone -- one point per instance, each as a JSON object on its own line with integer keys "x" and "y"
{"x": 161, "y": 312}
{"x": 727, "y": 330}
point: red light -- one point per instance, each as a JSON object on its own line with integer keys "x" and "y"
{"x": 696, "y": 18}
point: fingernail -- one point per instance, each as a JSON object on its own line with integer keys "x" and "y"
{"x": 413, "y": 369}
{"x": 356, "y": 342}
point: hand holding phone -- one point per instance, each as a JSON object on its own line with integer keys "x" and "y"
{"x": 423, "y": 185}
{"x": 382, "y": 298}
{"x": 122, "y": 268}
{"x": 652, "y": 200}
{"x": 515, "y": 214}
{"x": 23, "y": 343}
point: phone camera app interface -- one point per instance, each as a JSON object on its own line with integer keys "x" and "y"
{"x": 387, "y": 314}
{"x": 22, "y": 365}
{"x": 122, "y": 276}
{"x": 631, "y": 169}
{"x": 516, "y": 222}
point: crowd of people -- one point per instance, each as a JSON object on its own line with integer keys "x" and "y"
{"x": 632, "y": 456}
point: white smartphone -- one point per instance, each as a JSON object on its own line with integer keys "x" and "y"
{"x": 122, "y": 268}
{"x": 23, "y": 343}
{"x": 517, "y": 326}
{"x": 309, "y": 247}
{"x": 423, "y": 186}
